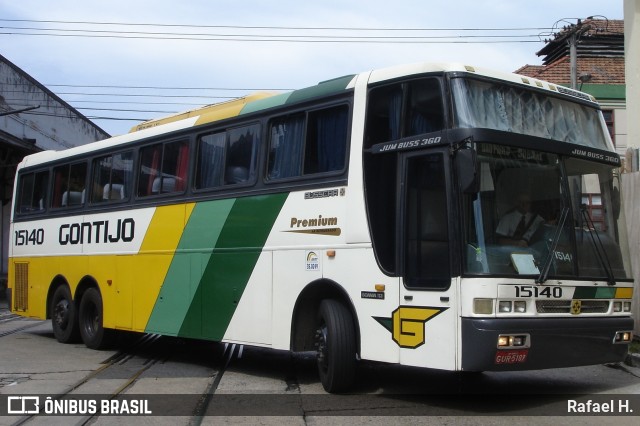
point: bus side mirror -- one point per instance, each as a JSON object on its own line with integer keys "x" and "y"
{"x": 467, "y": 169}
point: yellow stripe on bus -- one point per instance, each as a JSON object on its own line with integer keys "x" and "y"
{"x": 155, "y": 256}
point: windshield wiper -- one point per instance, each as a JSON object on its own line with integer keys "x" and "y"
{"x": 599, "y": 247}
{"x": 556, "y": 237}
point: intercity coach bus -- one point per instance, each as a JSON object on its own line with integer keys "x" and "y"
{"x": 369, "y": 217}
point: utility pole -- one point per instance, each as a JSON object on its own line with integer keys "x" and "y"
{"x": 574, "y": 34}
{"x": 573, "y": 58}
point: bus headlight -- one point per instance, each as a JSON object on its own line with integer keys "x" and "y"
{"x": 504, "y": 306}
{"x": 626, "y": 306}
{"x": 520, "y": 306}
{"x": 617, "y": 306}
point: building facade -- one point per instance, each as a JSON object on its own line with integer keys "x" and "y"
{"x": 32, "y": 119}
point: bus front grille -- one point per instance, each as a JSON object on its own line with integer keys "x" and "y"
{"x": 21, "y": 287}
{"x": 564, "y": 306}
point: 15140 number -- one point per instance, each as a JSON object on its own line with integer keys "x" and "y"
{"x": 536, "y": 291}
{"x": 24, "y": 237}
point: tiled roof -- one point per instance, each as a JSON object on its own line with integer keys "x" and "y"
{"x": 602, "y": 70}
{"x": 600, "y": 53}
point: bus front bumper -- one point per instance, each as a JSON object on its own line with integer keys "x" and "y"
{"x": 553, "y": 342}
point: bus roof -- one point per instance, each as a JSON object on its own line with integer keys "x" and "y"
{"x": 264, "y": 100}
{"x": 252, "y": 103}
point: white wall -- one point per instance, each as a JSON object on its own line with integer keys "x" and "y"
{"x": 631, "y": 181}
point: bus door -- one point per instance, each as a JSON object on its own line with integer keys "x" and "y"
{"x": 425, "y": 322}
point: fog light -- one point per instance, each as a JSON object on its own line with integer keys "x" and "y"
{"x": 517, "y": 340}
{"x": 504, "y": 306}
{"x": 617, "y": 306}
{"x": 520, "y": 306}
{"x": 483, "y": 306}
{"x": 506, "y": 341}
{"x": 622, "y": 337}
{"x": 503, "y": 341}
{"x": 626, "y": 306}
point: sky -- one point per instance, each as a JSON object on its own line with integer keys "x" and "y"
{"x": 119, "y": 62}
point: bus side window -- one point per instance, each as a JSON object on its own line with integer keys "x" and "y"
{"x": 240, "y": 164}
{"x": 401, "y": 110}
{"x": 227, "y": 158}
{"x": 69, "y": 183}
{"x": 112, "y": 177}
{"x": 285, "y": 147}
{"x": 32, "y": 192}
{"x": 308, "y": 144}
{"x": 163, "y": 168}
{"x": 326, "y": 144}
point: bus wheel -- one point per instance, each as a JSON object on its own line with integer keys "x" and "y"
{"x": 93, "y": 334}
{"x": 64, "y": 318}
{"x": 335, "y": 340}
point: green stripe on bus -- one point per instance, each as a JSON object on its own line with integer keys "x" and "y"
{"x": 185, "y": 272}
{"x": 230, "y": 266}
{"x": 594, "y": 293}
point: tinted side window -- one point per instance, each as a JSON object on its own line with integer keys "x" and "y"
{"x": 285, "y": 147}
{"x": 326, "y": 145}
{"x": 69, "y": 185}
{"x": 306, "y": 144}
{"x": 227, "y": 158}
{"x": 404, "y": 109}
{"x": 112, "y": 178}
{"x": 163, "y": 168}
{"x": 32, "y": 192}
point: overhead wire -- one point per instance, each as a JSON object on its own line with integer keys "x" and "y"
{"x": 248, "y": 33}
{"x": 514, "y": 37}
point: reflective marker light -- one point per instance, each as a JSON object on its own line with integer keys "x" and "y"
{"x": 483, "y": 306}
{"x": 504, "y": 306}
{"x": 617, "y": 306}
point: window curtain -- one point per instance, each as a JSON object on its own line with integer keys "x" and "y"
{"x": 124, "y": 162}
{"x": 153, "y": 168}
{"x": 501, "y": 107}
{"x": 211, "y": 161}
{"x": 395, "y": 113}
{"x": 287, "y": 139}
{"x": 332, "y": 136}
{"x": 182, "y": 167}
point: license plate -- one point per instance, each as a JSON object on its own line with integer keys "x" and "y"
{"x": 511, "y": 356}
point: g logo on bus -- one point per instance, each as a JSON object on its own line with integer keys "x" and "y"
{"x": 576, "y": 307}
{"x": 407, "y": 324}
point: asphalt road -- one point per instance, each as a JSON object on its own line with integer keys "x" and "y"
{"x": 192, "y": 382}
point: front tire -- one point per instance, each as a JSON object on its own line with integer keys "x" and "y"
{"x": 64, "y": 319}
{"x": 336, "y": 343}
{"x": 92, "y": 332}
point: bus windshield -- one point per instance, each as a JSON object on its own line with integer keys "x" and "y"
{"x": 493, "y": 105}
{"x": 545, "y": 215}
